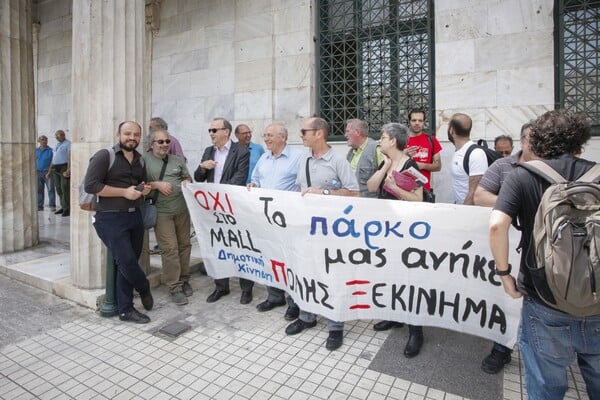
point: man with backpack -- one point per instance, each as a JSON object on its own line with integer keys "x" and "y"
{"x": 466, "y": 175}
{"x": 559, "y": 323}
{"x": 119, "y": 188}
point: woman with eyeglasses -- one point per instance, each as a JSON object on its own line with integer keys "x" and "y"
{"x": 392, "y": 142}
{"x": 165, "y": 175}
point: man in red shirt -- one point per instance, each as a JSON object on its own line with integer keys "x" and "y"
{"x": 423, "y": 148}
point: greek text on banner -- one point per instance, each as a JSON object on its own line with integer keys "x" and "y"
{"x": 355, "y": 258}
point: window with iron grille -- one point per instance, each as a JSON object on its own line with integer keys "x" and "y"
{"x": 577, "y": 40}
{"x": 375, "y": 61}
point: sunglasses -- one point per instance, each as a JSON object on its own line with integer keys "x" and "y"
{"x": 505, "y": 152}
{"x": 160, "y": 141}
{"x": 304, "y": 131}
{"x": 214, "y": 130}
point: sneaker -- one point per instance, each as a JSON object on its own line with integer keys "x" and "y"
{"x": 187, "y": 289}
{"x": 178, "y": 298}
{"x": 495, "y": 361}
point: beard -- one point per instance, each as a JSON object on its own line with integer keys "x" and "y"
{"x": 129, "y": 145}
{"x": 450, "y": 138}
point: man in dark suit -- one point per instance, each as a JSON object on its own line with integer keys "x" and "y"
{"x": 225, "y": 162}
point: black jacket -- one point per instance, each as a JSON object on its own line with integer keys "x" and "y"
{"x": 235, "y": 171}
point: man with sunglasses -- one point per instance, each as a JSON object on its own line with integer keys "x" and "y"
{"x": 166, "y": 173}
{"x": 322, "y": 171}
{"x": 225, "y": 162}
{"x": 174, "y": 147}
{"x": 503, "y": 144}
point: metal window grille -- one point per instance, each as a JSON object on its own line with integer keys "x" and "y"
{"x": 577, "y": 57}
{"x": 375, "y": 61}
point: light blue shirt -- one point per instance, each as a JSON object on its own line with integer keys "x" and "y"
{"x": 277, "y": 173}
{"x": 255, "y": 152}
{"x": 61, "y": 152}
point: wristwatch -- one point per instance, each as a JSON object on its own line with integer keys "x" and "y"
{"x": 326, "y": 191}
{"x": 503, "y": 273}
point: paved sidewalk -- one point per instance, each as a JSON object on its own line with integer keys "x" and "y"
{"x": 58, "y": 350}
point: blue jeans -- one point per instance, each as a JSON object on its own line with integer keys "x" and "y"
{"x": 48, "y": 183}
{"x": 123, "y": 235}
{"x": 549, "y": 342}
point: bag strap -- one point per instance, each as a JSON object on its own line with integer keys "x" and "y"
{"x": 162, "y": 175}
{"x": 542, "y": 169}
{"x": 467, "y": 156}
{"x": 592, "y": 175}
{"x": 432, "y": 148}
{"x": 307, "y": 173}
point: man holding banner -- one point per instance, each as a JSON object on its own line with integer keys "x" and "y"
{"x": 225, "y": 162}
{"x": 322, "y": 172}
{"x": 277, "y": 169}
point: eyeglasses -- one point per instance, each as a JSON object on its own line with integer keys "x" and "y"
{"x": 160, "y": 141}
{"x": 505, "y": 152}
{"x": 215, "y": 130}
{"x": 303, "y": 131}
{"x": 245, "y": 133}
{"x": 268, "y": 136}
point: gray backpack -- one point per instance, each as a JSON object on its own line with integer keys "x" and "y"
{"x": 566, "y": 241}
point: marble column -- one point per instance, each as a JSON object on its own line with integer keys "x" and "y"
{"x": 18, "y": 182}
{"x": 108, "y": 87}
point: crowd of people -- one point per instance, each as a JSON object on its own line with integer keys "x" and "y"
{"x": 549, "y": 340}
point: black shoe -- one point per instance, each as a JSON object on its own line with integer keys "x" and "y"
{"x": 292, "y": 313}
{"x": 334, "y": 340}
{"x": 246, "y": 297}
{"x": 268, "y": 306}
{"x": 186, "y": 288}
{"x": 495, "y": 361}
{"x": 414, "y": 344}
{"x": 58, "y": 212}
{"x": 385, "y": 325}
{"x": 134, "y": 316}
{"x": 66, "y": 213}
{"x": 298, "y": 326}
{"x": 147, "y": 300}
{"x": 216, "y": 295}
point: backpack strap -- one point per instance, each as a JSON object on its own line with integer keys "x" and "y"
{"x": 432, "y": 148}
{"x": 592, "y": 175}
{"x": 542, "y": 169}
{"x": 466, "y": 158}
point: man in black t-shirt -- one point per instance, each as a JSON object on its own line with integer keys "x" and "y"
{"x": 549, "y": 340}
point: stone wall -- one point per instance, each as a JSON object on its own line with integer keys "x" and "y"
{"x": 253, "y": 61}
{"x": 248, "y": 61}
{"x": 53, "y": 89}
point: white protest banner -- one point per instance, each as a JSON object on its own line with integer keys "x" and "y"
{"x": 355, "y": 258}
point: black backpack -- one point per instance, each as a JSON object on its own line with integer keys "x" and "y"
{"x": 491, "y": 155}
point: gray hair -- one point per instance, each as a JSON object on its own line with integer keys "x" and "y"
{"x": 397, "y": 131}
{"x": 359, "y": 125}
{"x": 159, "y": 122}
{"x": 152, "y": 135}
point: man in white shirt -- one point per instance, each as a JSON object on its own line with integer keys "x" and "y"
{"x": 464, "y": 185}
